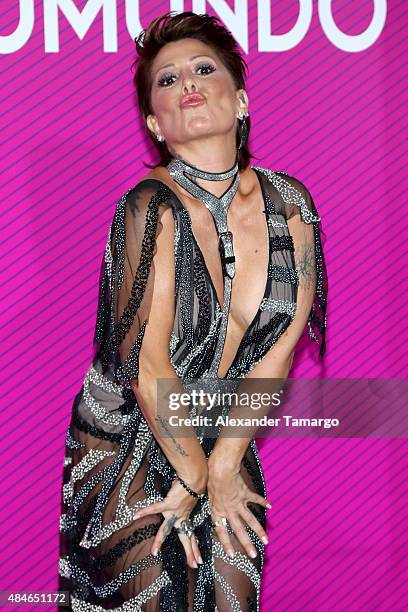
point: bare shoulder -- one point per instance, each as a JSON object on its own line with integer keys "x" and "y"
{"x": 160, "y": 173}
{"x": 141, "y": 198}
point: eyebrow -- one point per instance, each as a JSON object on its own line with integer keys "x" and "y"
{"x": 191, "y": 59}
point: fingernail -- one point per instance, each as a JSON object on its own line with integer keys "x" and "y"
{"x": 200, "y": 560}
{"x": 252, "y": 553}
{"x": 155, "y": 551}
{"x": 231, "y": 553}
{"x": 194, "y": 564}
{"x": 268, "y": 505}
{"x": 264, "y": 539}
{"x": 136, "y": 514}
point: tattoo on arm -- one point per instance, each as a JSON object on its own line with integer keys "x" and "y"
{"x": 305, "y": 265}
{"x": 179, "y": 448}
{"x": 169, "y": 524}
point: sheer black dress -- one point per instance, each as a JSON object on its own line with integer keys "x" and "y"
{"x": 113, "y": 464}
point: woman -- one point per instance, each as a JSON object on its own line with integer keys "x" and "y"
{"x": 177, "y": 522}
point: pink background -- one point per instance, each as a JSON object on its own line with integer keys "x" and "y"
{"x": 72, "y": 144}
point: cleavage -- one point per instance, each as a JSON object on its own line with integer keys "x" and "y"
{"x": 251, "y": 249}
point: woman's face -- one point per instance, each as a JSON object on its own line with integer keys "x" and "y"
{"x": 189, "y": 66}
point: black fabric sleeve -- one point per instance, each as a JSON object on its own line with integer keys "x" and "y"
{"x": 127, "y": 278}
{"x": 294, "y": 202}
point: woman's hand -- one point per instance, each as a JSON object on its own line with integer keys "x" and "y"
{"x": 228, "y": 496}
{"x": 176, "y": 506}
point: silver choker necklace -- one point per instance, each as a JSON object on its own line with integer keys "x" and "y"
{"x": 178, "y": 165}
{"x": 218, "y": 207}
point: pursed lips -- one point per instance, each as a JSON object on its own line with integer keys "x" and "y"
{"x": 192, "y": 101}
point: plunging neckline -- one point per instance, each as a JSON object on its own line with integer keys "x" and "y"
{"x": 208, "y": 275}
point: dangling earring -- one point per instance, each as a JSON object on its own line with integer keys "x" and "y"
{"x": 244, "y": 129}
{"x": 159, "y": 137}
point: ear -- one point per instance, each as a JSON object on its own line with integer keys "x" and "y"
{"x": 242, "y": 99}
{"x": 152, "y": 124}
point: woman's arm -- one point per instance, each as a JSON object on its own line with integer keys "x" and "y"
{"x": 141, "y": 282}
{"x": 228, "y": 493}
{"x": 276, "y": 364}
{"x": 184, "y": 453}
{"x": 138, "y": 285}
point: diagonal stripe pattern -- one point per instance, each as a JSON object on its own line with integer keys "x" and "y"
{"x": 72, "y": 143}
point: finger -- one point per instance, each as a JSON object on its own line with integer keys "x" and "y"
{"x": 163, "y": 532}
{"x": 225, "y": 540}
{"x": 196, "y": 549}
{"x": 242, "y": 536}
{"x": 186, "y": 542}
{"x": 255, "y": 525}
{"x": 258, "y": 499}
{"x": 156, "y": 508}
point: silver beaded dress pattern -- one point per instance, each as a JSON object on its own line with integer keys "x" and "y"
{"x": 113, "y": 464}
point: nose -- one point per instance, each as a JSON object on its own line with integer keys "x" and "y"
{"x": 188, "y": 85}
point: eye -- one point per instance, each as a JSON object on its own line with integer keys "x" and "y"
{"x": 166, "y": 78}
{"x": 206, "y": 67}
{"x": 163, "y": 81}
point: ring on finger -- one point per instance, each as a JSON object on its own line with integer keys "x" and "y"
{"x": 221, "y": 521}
{"x": 185, "y": 528}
